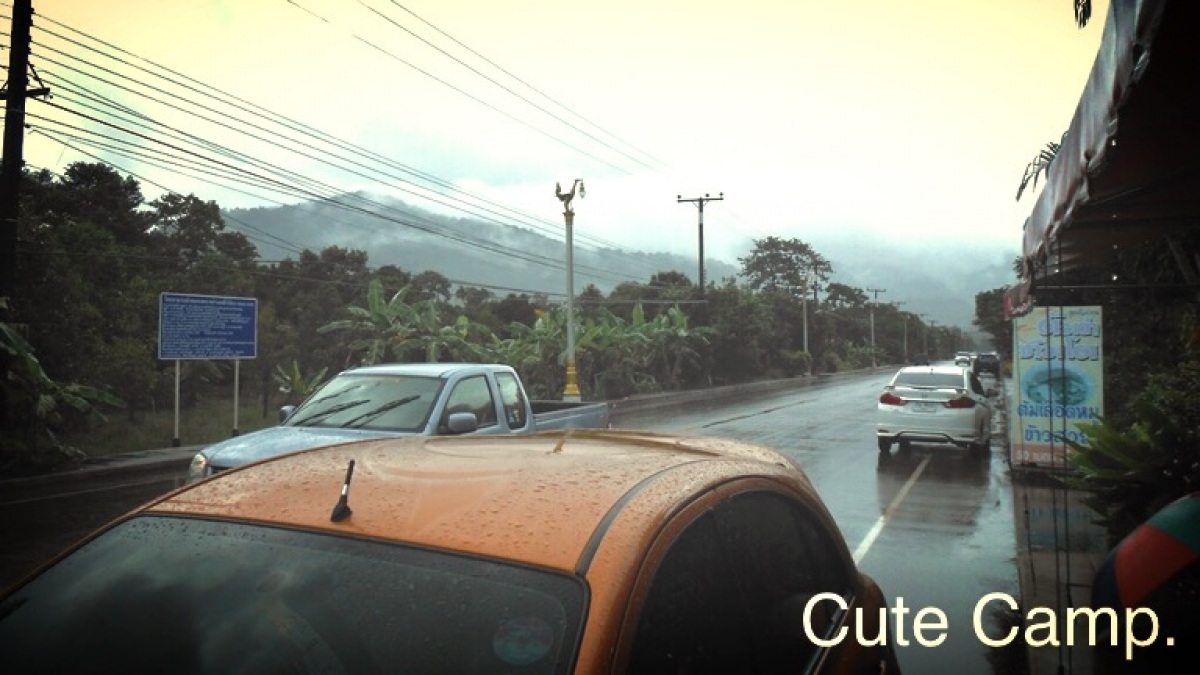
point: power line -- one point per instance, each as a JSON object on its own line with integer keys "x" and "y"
{"x": 281, "y": 120}
{"x": 523, "y": 82}
{"x": 501, "y": 86}
{"x": 256, "y": 177}
{"x": 478, "y": 100}
{"x": 495, "y": 248}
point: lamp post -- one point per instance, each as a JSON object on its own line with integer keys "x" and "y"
{"x": 571, "y": 390}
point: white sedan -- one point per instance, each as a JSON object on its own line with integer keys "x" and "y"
{"x": 935, "y": 404}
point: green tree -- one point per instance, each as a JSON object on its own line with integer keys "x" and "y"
{"x": 385, "y": 324}
{"x": 777, "y": 263}
{"x": 294, "y": 384}
{"x": 38, "y": 407}
{"x": 989, "y": 318}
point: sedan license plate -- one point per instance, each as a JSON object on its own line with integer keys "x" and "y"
{"x": 924, "y": 407}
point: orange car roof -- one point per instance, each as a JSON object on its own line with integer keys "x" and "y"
{"x": 536, "y": 498}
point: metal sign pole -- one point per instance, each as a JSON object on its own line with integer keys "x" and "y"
{"x": 175, "y": 441}
{"x": 237, "y": 367}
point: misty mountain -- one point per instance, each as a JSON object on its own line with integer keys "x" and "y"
{"x": 935, "y": 278}
{"x": 469, "y": 251}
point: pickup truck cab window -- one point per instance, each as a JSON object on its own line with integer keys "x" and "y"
{"x": 473, "y": 395}
{"x": 513, "y": 400}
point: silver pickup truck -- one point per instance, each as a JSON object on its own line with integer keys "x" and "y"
{"x": 410, "y": 399}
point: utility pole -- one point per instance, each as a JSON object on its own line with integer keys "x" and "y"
{"x": 700, "y": 202}
{"x": 904, "y": 318}
{"x": 804, "y": 315}
{"x": 876, "y": 291}
{"x": 14, "y": 93}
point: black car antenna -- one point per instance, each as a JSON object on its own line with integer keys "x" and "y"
{"x": 341, "y": 510}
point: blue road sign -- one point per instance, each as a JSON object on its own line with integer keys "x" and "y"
{"x": 196, "y": 327}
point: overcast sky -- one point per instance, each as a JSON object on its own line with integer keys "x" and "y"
{"x": 892, "y": 121}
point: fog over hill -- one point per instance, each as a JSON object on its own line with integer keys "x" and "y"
{"x": 935, "y": 278}
{"x": 469, "y": 251}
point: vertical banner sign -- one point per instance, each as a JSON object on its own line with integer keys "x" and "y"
{"x": 1058, "y": 382}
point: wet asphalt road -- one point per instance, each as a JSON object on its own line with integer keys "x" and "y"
{"x": 933, "y": 526}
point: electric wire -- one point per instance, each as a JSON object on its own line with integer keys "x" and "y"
{"x": 192, "y": 105}
{"x": 494, "y": 248}
{"x": 262, "y": 179}
{"x": 501, "y": 86}
{"x": 526, "y": 84}
{"x": 284, "y": 121}
{"x": 478, "y": 100}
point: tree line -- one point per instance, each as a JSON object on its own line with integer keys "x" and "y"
{"x": 94, "y": 256}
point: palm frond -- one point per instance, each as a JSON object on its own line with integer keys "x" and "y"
{"x": 1040, "y": 164}
{"x": 1083, "y": 12}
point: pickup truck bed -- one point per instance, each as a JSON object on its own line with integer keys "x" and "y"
{"x": 551, "y": 415}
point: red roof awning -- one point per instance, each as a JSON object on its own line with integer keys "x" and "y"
{"x": 1128, "y": 169}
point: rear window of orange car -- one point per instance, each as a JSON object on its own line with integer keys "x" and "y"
{"x": 163, "y": 594}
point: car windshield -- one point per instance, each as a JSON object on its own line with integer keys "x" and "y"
{"x": 389, "y": 402}
{"x": 924, "y": 379}
{"x": 161, "y": 594}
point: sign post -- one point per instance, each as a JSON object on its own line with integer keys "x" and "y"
{"x": 207, "y": 327}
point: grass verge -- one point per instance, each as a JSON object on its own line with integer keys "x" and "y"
{"x": 209, "y": 421}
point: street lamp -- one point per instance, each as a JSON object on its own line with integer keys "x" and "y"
{"x": 571, "y": 390}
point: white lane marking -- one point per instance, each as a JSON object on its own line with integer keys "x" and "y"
{"x": 877, "y": 528}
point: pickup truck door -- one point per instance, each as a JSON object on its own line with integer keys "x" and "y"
{"x": 473, "y": 394}
{"x": 514, "y": 404}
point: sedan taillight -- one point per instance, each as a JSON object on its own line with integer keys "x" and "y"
{"x": 961, "y": 402}
{"x": 889, "y": 398}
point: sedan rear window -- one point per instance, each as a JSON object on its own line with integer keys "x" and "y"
{"x": 159, "y": 594}
{"x": 926, "y": 379}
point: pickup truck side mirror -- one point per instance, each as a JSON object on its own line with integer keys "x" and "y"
{"x": 286, "y": 412}
{"x": 462, "y": 422}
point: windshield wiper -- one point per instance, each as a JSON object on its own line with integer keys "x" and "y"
{"x": 390, "y": 405}
{"x": 329, "y": 411}
{"x": 347, "y": 390}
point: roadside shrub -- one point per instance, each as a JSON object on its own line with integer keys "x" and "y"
{"x": 831, "y": 363}
{"x": 796, "y": 362}
{"x": 1133, "y": 471}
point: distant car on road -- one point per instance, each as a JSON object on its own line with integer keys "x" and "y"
{"x": 935, "y": 404}
{"x": 987, "y": 363}
{"x": 962, "y": 359}
{"x": 561, "y": 552}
